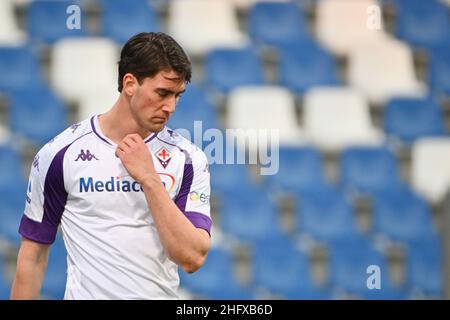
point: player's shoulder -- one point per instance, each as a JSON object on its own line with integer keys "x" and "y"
{"x": 177, "y": 141}
{"x": 66, "y": 138}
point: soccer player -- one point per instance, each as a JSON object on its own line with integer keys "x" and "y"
{"x": 131, "y": 196}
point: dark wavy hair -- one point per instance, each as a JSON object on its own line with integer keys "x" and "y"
{"x": 147, "y": 53}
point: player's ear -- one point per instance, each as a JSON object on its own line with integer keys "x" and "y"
{"x": 129, "y": 84}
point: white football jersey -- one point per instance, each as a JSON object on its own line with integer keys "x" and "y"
{"x": 113, "y": 247}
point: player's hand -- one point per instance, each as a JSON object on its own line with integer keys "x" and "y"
{"x": 136, "y": 158}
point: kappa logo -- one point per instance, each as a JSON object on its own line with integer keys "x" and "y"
{"x": 75, "y": 126}
{"x": 85, "y": 156}
{"x": 164, "y": 156}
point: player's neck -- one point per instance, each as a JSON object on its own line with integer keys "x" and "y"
{"x": 117, "y": 123}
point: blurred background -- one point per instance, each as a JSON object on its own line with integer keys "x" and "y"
{"x": 359, "y": 89}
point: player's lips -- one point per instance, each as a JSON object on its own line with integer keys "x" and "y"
{"x": 159, "y": 119}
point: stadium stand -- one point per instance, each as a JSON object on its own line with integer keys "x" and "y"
{"x": 337, "y": 117}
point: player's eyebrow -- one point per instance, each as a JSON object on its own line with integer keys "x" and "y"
{"x": 168, "y": 91}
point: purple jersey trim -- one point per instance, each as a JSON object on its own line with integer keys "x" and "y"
{"x": 95, "y": 131}
{"x": 55, "y": 198}
{"x": 199, "y": 220}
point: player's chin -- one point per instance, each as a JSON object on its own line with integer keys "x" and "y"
{"x": 156, "y": 126}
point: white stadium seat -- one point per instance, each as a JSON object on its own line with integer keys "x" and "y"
{"x": 10, "y": 34}
{"x": 383, "y": 71}
{"x": 335, "y": 118}
{"x": 431, "y": 168}
{"x": 201, "y": 25}
{"x": 344, "y": 25}
{"x": 83, "y": 66}
{"x": 264, "y": 107}
{"x": 97, "y": 103}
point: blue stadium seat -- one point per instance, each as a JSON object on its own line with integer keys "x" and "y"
{"x": 226, "y": 69}
{"x": 348, "y": 270}
{"x": 216, "y": 278}
{"x": 402, "y": 216}
{"x": 408, "y": 119}
{"x": 282, "y": 269}
{"x": 10, "y": 216}
{"x": 37, "y": 115}
{"x": 48, "y": 20}
{"x": 422, "y": 23}
{"x": 305, "y": 64}
{"x": 425, "y": 272}
{"x": 439, "y": 70}
{"x": 230, "y": 179}
{"x": 369, "y": 170}
{"x": 326, "y": 215}
{"x": 4, "y": 283}
{"x": 300, "y": 169}
{"x": 194, "y": 106}
{"x": 249, "y": 215}
{"x": 274, "y": 24}
{"x": 20, "y": 69}
{"x": 12, "y": 182}
{"x": 123, "y": 19}
{"x": 55, "y": 279}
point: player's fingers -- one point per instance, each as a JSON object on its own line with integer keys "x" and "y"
{"x": 119, "y": 152}
{"x": 135, "y": 138}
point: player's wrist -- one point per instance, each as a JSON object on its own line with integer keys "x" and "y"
{"x": 150, "y": 180}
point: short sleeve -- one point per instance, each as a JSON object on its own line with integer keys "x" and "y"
{"x": 46, "y": 197}
{"x": 193, "y": 198}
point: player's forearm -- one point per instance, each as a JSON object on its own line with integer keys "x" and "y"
{"x": 28, "y": 279}
{"x": 185, "y": 244}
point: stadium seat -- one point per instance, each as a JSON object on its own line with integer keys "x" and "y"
{"x": 216, "y": 279}
{"x": 5, "y": 135}
{"x": 10, "y": 217}
{"x": 409, "y": 119}
{"x": 83, "y": 66}
{"x": 300, "y": 169}
{"x": 283, "y": 270}
{"x": 369, "y": 170}
{"x": 4, "y": 283}
{"x": 384, "y": 70}
{"x": 342, "y": 26}
{"x": 430, "y": 170}
{"x": 116, "y": 22}
{"x": 11, "y": 177}
{"x": 264, "y": 107}
{"x": 224, "y": 177}
{"x": 20, "y": 69}
{"x": 276, "y": 23}
{"x": 10, "y": 34}
{"x": 304, "y": 65}
{"x": 194, "y": 105}
{"x": 47, "y": 21}
{"x": 439, "y": 70}
{"x": 325, "y": 215}
{"x": 226, "y": 69}
{"x": 422, "y": 23}
{"x": 37, "y": 115}
{"x": 202, "y": 25}
{"x": 402, "y": 216}
{"x": 55, "y": 279}
{"x": 97, "y": 103}
{"x": 338, "y": 117}
{"x": 250, "y": 216}
{"x": 424, "y": 267}
{"x": 349, "y": 273}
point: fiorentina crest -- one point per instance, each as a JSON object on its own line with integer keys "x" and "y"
{"x": 163, "y": 156}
